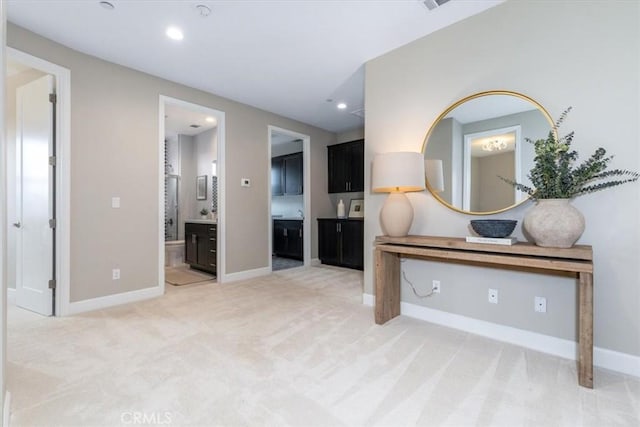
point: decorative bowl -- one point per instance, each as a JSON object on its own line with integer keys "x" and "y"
{"x": 494, "y": 227}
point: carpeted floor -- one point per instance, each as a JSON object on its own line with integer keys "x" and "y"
{"x": 295, "y": 348}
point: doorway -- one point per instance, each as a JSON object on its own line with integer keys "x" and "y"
{"x": 37, "y": 134}
{"x": 191, "y": 189}
{"x": 290, "y": 199}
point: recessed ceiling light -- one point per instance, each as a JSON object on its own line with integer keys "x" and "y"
{"x": 107, "y": 5}
{"x": 174, "y": 33}
{"x": 210, "y": 119}
{"x": 341, "y": 106}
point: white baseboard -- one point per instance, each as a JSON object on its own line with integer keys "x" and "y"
{"x": 245, "y": 275}
{"x": 368, "y": 299}
{"x": 113, "y": 300}
{"x": 6, "y": 409}
{"x": 11, "y": 296}
{"x": 602, "y": 357}
{"x": 616, "y": 361}
{"x": 315, "y": 262}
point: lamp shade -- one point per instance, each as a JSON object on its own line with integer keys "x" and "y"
{"x": 397, "y": 172}
{"x": 435, "y": 174}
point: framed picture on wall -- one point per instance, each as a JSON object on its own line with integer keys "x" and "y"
{"x": 201, "y": 187}
{"x": 356, "y": 208}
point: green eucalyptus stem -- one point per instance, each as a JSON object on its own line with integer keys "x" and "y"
{"x": 554, "y": 175}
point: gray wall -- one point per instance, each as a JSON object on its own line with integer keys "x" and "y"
{"x": 206, "y": 149}
{"x": 114, "y": 152}
{"x": 583, "y": 54}
{"x": 490, "y": 192}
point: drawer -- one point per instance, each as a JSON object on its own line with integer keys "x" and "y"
{"x": 212, "y": 230}
{"x": 211, "y": 259}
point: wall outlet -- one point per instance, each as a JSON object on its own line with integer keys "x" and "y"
{"x": 435, "y": 286}
{"x": 540, "y": 304}
{"x": 115, "y": 202}
{"x": 493, "y": 296}
{"x": 115, "y": 274}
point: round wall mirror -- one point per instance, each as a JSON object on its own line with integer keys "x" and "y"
{"x": 476, "y": 141}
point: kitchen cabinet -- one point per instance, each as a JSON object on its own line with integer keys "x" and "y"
{"x": 341, "y": 242}
{"x": 346, "y": 167}
{"x": 200, "y": 246}
{"x": 287, "y": 175}
{"x": 276, "y": 176}
{"x": 288, "y": 238}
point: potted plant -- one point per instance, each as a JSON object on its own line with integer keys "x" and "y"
{"x": 203, "y": 213}
{"x": 555, "y": 180}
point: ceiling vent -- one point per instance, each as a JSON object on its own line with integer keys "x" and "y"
{"x": 194, "y": 126}
{"x": 432, "y": 4}
{"x": 358, "y": 112}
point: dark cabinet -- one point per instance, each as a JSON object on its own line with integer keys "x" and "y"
{"x": 341, "y": 242}
{"x": 286, "y": 175}
{"x": 287, "y": 238}
{"x": 346, "y": 167}
{"x": 276, "y": 176}
{"x": 200, "y": 245}
{"x": 293, "y": 174}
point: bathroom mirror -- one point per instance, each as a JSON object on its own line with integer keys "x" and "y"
{"x": 478, "y": 139}
{"x": 201, "y": 187}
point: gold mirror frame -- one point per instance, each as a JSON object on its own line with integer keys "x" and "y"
{"x": 446, "y": 112}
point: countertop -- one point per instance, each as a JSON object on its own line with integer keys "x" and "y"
{"x": 201, "y": 221}
{"x": 288, "y": 218}
{"x": 334, "y": 218}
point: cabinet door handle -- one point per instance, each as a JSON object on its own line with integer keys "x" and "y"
{"x": 300, "y": 232}
{"x": 194, "y": 238}
{"x": 284, "y": 232}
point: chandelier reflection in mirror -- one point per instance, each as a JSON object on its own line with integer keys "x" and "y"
{"x": 495, "y": 145}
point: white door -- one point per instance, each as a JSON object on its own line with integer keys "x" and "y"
{"x": 34, "y": 204}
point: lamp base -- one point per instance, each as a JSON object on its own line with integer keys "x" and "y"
{"x": 396, "y": 215}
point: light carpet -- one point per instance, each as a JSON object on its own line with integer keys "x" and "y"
{"x": 185, "y": 276}
{"x": 294, "y": 348}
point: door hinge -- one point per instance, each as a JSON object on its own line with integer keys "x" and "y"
{"x": 52, "y": 284}
{"x": 53, "y": 98}
{"x": 52, "y": 223}
{"x": 52, "y": 160}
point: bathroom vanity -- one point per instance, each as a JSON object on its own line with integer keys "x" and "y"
{"x": 288, "y": 238}
{"x": 200, "y": 245}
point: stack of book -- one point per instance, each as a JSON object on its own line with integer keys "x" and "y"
{"x": 492, "y": 240}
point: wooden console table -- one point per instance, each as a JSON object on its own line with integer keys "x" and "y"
{"x": 577, "y": 260}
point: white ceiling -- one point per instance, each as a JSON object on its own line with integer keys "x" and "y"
{"x": 180, "y": 121}
{"x": 288, "y": 57}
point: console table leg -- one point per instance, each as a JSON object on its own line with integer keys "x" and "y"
{"x": 585, "y": 340}
{"x": 387, "y": 283}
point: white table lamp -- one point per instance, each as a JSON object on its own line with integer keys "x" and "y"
{"x": 397, "y": 173}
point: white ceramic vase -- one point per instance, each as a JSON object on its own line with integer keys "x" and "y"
{"x": 554, "y": 223}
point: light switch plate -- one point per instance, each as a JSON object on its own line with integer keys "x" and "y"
{"x": 245, "y": 182}
{"x": 115, "y": 202}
